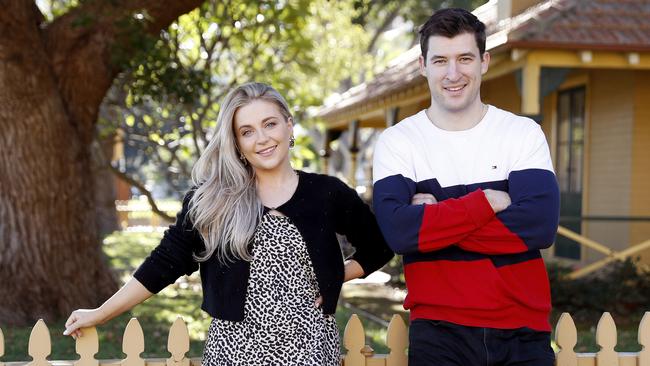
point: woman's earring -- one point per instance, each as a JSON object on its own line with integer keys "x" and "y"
{"x": 292, "y": 142}
{"x": 243, "y": 158}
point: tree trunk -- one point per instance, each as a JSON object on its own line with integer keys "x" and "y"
{"x": 105, "y": 186}
{"x": 52, "y": 81}
{"x": 50, "y": 257}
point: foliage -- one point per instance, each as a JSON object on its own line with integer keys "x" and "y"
{"x": 168, "y": 102}
{"x": 416, "y": 11}
{"x": 54, "y": 8}
{"x": 622, "y": 288}
{"x": 396, "y": 271}
{"x": 377, "y": 17}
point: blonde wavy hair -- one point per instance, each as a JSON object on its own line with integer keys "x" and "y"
{"x": 225, "y": 208}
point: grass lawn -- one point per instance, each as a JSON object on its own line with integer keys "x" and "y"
{"x": 126, "y": 250}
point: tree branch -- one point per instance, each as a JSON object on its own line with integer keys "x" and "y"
{"x": 382, "y": 28}
{"x": 154, "y": 207}
{"x": 80, "y": 45}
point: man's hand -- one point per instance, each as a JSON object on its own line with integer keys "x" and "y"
{"x": 499, "y": 200}
{"x": 423, "y": 199}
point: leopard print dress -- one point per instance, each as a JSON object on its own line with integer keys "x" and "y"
{"x": 281, "y": 325}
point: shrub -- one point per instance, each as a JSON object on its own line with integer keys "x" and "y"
{"x": 622, "y": 288}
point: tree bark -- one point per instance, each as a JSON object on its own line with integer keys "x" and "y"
{"x": 52, "y": 81}
{"x": 105, "y": 186}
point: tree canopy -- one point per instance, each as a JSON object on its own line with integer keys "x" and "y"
{"x": 167, "y": 102}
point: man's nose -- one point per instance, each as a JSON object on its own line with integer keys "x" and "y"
{"x": 452, "y": 71}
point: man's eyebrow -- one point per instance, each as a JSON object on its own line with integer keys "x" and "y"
{"x": 464, "y": 54}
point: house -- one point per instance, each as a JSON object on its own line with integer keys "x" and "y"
{"x": 579, "y": 68}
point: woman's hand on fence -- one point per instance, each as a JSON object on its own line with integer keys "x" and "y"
{"x": 131, "y": 294}
{"x": 82, "y": 318}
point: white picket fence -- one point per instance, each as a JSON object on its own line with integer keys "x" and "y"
{"x": 354, "y": 341}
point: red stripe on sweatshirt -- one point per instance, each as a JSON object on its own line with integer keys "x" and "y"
{"x": 476, "y": 293}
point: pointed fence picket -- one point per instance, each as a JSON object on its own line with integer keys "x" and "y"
{"x": 358, "y": 353}
{"x": 133, "y": 344}
{"x": 2, "y": 346}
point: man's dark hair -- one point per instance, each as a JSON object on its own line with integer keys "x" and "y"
{"x": 450, "y": 23}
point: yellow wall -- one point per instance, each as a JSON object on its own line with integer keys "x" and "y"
{"x": 502, "y": 92}
{"x": 548, "y": 118}
{"x": 640, "y": 180}
{"x": 518, "y": 6}
{"x": 610, "y": 167}
{"x": 411, "y": 109}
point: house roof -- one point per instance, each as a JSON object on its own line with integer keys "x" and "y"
{"x": 581, "y": 24}
{"x": 616, "y": 25}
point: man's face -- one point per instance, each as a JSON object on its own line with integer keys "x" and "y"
{"x": 453, "y": 69}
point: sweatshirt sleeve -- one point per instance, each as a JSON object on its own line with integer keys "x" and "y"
{"x": 355, "y": 220}
{"x": 418, "y": 228}
{"x": 173, "y": 257}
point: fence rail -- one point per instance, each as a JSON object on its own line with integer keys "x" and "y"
{"x": 354, "y": 341}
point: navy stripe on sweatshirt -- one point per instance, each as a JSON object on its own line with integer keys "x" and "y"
{"x": 454, "y": 253}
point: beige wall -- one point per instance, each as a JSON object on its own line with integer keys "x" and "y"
{"x": 640, "y": 180}
{"x": 612, "y": 95}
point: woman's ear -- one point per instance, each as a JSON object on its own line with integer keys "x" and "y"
{"x": 290, "y": 122}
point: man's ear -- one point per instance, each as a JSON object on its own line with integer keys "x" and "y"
{"x": 485, "y": 62}
{"x": 423, "y": 65}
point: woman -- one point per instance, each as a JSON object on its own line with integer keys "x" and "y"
{"x": 264, "y": 237}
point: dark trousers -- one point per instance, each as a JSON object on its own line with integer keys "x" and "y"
{"x": 438, "y": 343}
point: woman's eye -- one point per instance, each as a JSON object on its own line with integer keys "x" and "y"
{"x": 246, "y": 133}
{"x": 271, "y": 124}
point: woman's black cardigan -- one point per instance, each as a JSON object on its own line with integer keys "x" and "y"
{"x": 320, "y": 207}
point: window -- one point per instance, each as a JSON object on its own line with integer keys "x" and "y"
{"x": 569, "y": 166}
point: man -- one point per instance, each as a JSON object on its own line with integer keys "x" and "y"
{"x": 467, "y": 194}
